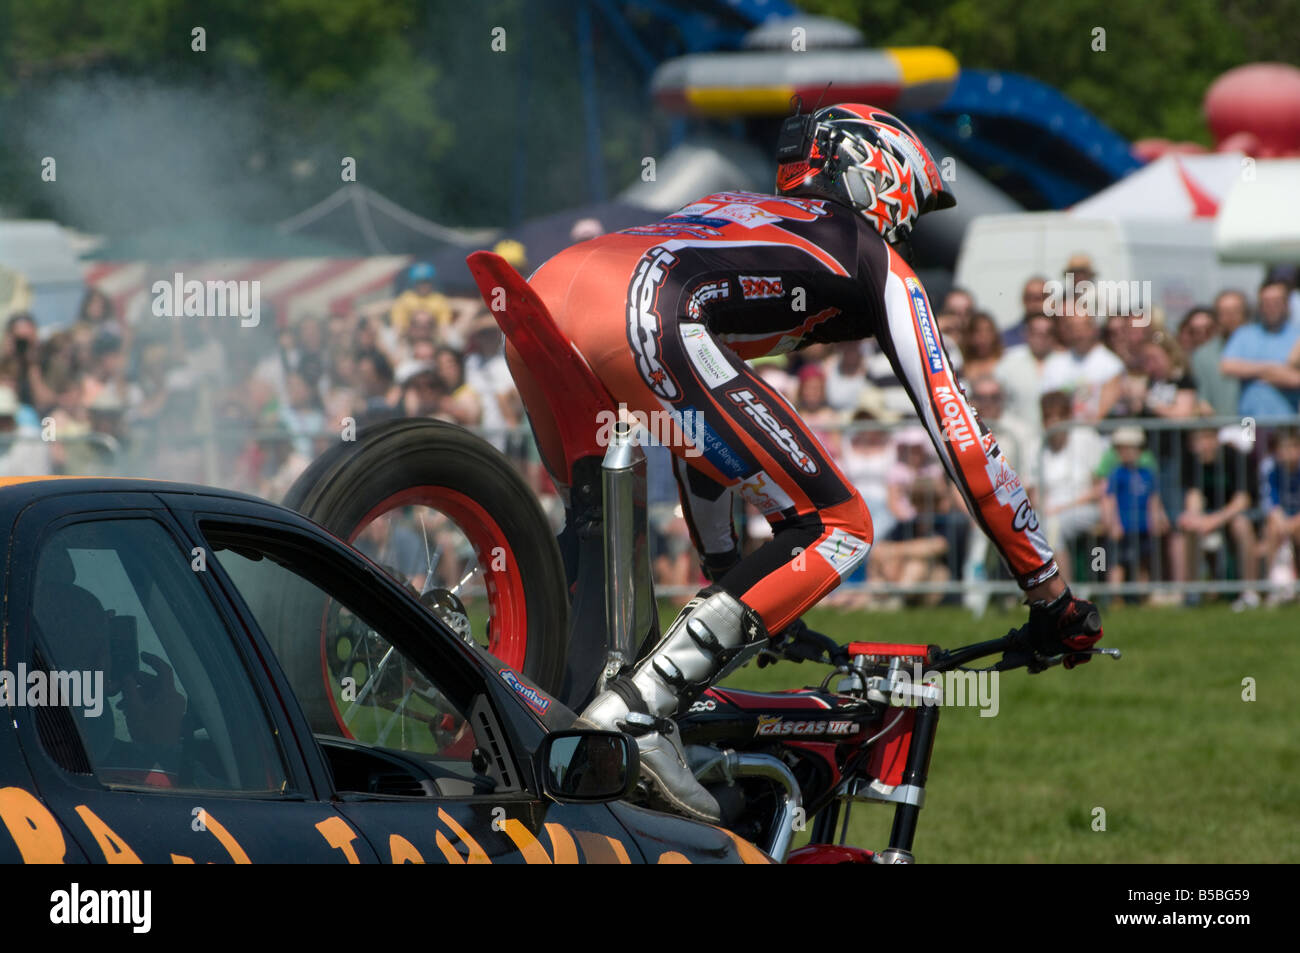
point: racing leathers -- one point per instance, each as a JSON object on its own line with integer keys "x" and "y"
{"x": 666, "y": 315}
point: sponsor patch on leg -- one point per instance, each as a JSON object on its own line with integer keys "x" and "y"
{"x": 843, "y": 551}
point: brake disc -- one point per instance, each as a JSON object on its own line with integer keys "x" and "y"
{"x": 446, "y": 605}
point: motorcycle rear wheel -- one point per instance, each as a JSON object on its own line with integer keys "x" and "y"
{"x": 399, "y": 465}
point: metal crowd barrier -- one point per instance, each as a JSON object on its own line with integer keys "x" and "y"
{"x": 1180, "y": 564}
{"x": 1211, "y": 563}
{"x": 959, "y": 564}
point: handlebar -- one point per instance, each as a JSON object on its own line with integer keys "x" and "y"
{"x": 797, "y": 643}
{"x": 1016, "y": 653}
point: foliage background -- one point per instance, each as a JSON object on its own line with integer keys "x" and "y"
{"x": 147, "y": 131}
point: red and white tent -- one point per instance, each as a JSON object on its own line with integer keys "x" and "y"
{"x": 292, "y": 287}
{"x": 1174, "y": 187}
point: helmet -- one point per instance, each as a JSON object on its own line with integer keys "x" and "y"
{"x": 864, "y": 157}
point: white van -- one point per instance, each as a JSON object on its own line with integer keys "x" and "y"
{"x": 999, "y": 253}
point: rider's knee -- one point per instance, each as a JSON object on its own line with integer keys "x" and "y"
{"x": 852, "y": 517}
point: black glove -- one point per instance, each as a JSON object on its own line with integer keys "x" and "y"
{"x": 797, "y": 643}
{"x": 1064, "y": 625}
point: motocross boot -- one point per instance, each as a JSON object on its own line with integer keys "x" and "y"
{"x": 714, "y": 631}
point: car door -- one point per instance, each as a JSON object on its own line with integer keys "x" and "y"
{"x": 175, "y": 747}
{"x": 428, "y": 750}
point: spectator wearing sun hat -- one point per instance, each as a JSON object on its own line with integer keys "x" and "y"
{"x": 514, "y": 252}
{"x": 422, "y": 296}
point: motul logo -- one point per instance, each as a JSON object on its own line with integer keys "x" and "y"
{"x": 956, "y": 426}
{"x": 781, "y": 436}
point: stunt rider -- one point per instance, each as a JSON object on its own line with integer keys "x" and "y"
{"x": 667, "y": 315}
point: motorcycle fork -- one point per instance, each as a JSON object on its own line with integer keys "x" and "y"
{"x": 915, "y": 773}
{"x": 907, "y": 812}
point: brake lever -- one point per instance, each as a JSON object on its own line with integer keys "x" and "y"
{"x": 1035, "y": 663}
{"x": 770, "y": 655}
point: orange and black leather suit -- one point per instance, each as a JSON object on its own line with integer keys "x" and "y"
{"x": 667, "y": 314}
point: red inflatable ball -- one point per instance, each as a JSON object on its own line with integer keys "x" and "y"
{"x": 1261, "y": 99}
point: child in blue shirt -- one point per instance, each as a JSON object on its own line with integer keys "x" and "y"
{"x": 1133, "y": 513}
{"x": 1280, "y": 486}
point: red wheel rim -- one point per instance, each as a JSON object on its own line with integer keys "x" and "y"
{"x": 508, "y": 626}
{"x": 507, "y": 606}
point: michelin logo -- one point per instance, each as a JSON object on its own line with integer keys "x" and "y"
{"x": 922, "y": 311}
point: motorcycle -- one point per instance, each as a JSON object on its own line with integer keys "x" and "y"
{"x": 573, "y": 612}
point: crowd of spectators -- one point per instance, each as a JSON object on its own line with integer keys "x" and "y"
{"x": 1160, "y": 497}
{"x": 1152, "y": 451}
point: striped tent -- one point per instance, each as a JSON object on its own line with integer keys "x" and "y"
{"x": 290, "y": 287}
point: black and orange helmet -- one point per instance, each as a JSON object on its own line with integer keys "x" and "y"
{"x": 864, "y": 157}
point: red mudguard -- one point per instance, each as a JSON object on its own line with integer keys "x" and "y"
{"x": 577, "y": 397}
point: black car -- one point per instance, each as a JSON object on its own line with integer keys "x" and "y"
{"x": 165, "y": 673}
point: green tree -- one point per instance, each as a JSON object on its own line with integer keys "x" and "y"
{"x": 1160, "y": 56}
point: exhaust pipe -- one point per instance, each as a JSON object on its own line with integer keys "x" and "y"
{"x": 729, "y": 765}
{"x": 630, "y": 615}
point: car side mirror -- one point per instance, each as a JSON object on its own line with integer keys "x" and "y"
{"x": 577, "y": 766}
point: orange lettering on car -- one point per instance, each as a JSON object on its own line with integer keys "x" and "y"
{"x": 403, "y": 851}
{"x": 477, "y": 855}
{"x": 116, "y": 850}
{"x": 338, "y": 834}
{"x": 224, "y": 837}
{"x": 563, "y": 848}
{"x": 33, "y": 828}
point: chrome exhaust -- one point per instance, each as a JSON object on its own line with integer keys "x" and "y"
{"x": 630, "y": 613}
{"x": 729, "y": 765}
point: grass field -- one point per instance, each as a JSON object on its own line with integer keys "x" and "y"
{"x": 1185, "y": 769}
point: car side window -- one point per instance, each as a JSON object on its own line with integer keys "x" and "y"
{"x": 141, "y": 660}
{"x": 361, "y": 695}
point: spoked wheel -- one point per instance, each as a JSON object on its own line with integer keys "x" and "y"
{"x": 457, "y": 557}
{"x": 393, "y": 703}
{"x": 447, "y": 514}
